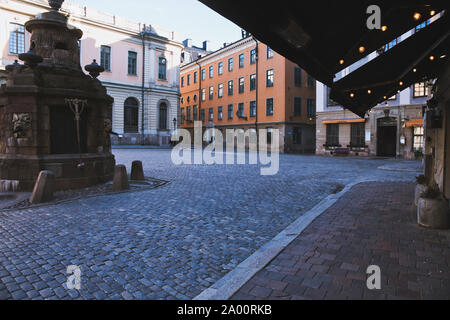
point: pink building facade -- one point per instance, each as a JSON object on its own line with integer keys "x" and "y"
{"x": 142, "y": 65}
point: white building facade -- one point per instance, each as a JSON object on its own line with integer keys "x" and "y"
{"x": 141, "y": 62}
{"x": 392, "y": 129}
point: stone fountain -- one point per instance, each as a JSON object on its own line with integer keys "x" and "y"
{"x": 52, "y": 115}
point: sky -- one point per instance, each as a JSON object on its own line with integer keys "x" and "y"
{"x": 188, "y": 18}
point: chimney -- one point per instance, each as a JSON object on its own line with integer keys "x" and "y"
{"x": 206, "y": 45}
{"x": 187, "y": 43}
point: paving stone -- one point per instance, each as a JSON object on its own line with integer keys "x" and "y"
{"x": 362, "y": 216}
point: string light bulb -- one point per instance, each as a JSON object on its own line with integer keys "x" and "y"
{"x": 414, "y": 70}
{"x": 362, "y": 49}
{"x": 352, "y": 95}
{"x": 431, "y": 58}
{"x": 369, "y": 91}
{"x": 432, "y": 13}
{"x": 341, "y": 62}
{"x": 417, "y": 16}
{"x": 401, "y": 83}
{"x": 384, "y": 28}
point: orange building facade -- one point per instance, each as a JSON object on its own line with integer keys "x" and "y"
{"x": 246, "y": 85}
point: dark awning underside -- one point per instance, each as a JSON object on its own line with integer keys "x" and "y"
{"x": 317, "y": 35}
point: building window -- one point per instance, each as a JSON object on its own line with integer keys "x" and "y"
{"x": 182, "y": 82}
{"x": 195, "y": 77}
{"x": 252, "y": 109}
{"x": 211, "y": 93}
{"x": 358, "y": 135}
{"x": 230, "y": 64}
{"x": 270, "y": 53}
{"x": 131, "y": 115}
{"x": 202, "y": 115}
{"x": 330, "y": 102}
{"x": 219, "y": 113}
{"x": 269, "y": 107}
{"x": 182, "y": 115}
{"x": 297, "y": 77}
{"x": 230, "y": 87}
{"x": 188, "y": 99}
{"x": 211, "y": 114}
{"x": 252, "y": 82}
{"x": 421, "y": 90}
{"x": 105, "y": 57}
{"x": 203, "y": 94}
{"x": 241, "y": 112}
{"x": 297, "y": 135}
{"x": 203, "y": 74}
{"x": 188, "y": 79}
{"x": 188, "y": 114}
{"x": 163, "y": 116}
{"x": 220, "y": 68}
{"x": 16, "y": 38}
{"x": 269, "y": 78}
{"x": 418, "y": 139}
{"x": 422, "y": 25}
{"x": 220, "y": 93}
{"x": 241, "y": 60}
{"x": 195, "y": 113}
{"x": 253, "y": 56}
{"x": 333, "y": 135}
{"x": 311, "y": 83}
{"x": 391, "y": 44}
{"x": 230, "y": 112}
{"x": 297, "y": 106}
{"x": 311, "y": 108}
{"x": 211, "y": 72}
{"x": 269, "y": 135}
{"x": 241, "y": 84}
{"x": 195, "y": 98}
{"x": 162, "y": 73}
{"x": 132, "y": 63}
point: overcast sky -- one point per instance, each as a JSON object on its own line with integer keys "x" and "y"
{"x": 189, "y": 18}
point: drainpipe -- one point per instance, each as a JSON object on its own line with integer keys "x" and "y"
{"x": 256, "y": 93}
{"x": 143, "y": 33}
{"x": 199, "y": 93}
{"x": 199, "y": 86}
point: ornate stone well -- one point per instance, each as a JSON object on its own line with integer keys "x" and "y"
{"x": 52, "y": 115}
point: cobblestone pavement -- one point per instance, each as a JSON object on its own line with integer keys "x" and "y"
{"x": 373, "y": 224}
{"x": 167, "y": 243}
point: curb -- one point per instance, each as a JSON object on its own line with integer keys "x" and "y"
{"x": 226, "y": 287}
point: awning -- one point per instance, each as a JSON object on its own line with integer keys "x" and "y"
{"x": 396, "y": 69}
{"x": 342, "y": 121}
{"x": 414, "y": 123}
{"x": 324, "y": 37}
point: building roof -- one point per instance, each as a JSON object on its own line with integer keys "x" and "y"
{"x": 324, "y": 37}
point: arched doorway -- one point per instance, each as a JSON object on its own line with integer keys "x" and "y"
{"x": 163, "y": 117}
{"x": 387, "y": 137}
{"x": 131, "y": 115}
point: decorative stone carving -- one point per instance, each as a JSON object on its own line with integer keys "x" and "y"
{"x": 21, "y": 125}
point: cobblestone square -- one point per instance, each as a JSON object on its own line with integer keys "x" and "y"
{"x": 172, "y": 242}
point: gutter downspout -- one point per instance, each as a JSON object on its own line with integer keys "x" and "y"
{"x": 143, "y": 33}
{"x": 199, "y": 92}
{"x": 199, "y": 86}
{"x": 256, "y": 93}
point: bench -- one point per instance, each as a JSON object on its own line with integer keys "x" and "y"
{"x": 341, "y": 151}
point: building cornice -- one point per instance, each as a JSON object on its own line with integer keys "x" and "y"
{"x": 216, "y": 55}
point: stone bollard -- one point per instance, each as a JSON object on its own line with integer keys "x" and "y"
{"x": 44, "y": 188}
{"x": 137, "y": 171}
{"x": 120, "y": 179}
